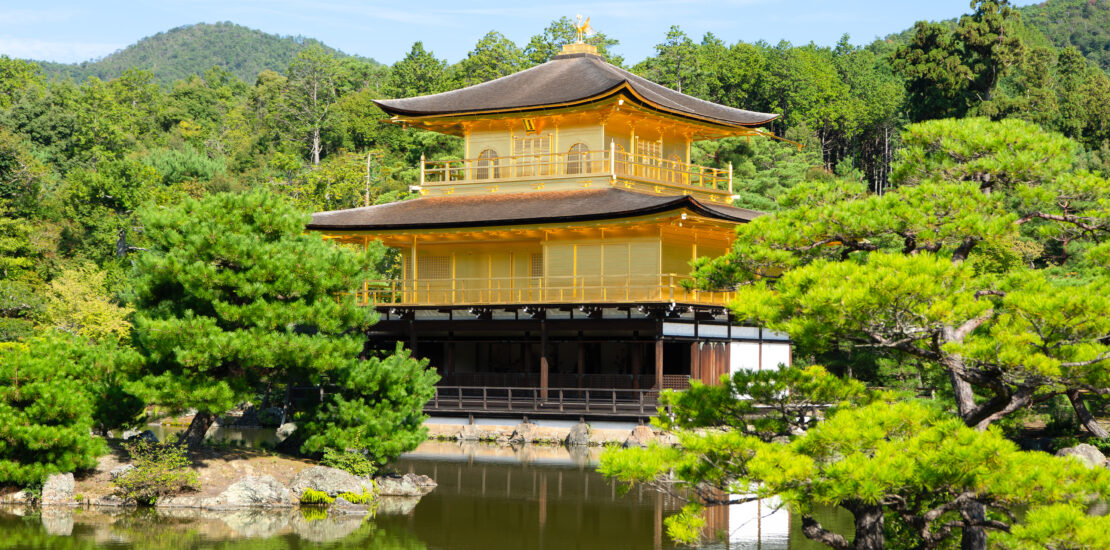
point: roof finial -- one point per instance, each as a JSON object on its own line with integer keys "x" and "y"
{"x": 583, "y": 29}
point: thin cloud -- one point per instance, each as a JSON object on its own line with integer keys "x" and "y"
{"x": 61, "y": 52}
{"x": 11, "y": 18}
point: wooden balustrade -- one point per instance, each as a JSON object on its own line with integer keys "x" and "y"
{"x": 666, "y": 287}
{"x": 614, "y": 163}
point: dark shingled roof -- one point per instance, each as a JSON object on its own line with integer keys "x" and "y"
{"x": 518, "y": 209}
{"x": 567, "y": 78}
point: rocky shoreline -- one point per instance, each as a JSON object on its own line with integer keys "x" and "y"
{"x": 581, "y": 434}
{"x": 235, "y": 479}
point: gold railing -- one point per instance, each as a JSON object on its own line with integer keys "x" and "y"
{"x": 612, "y": 163}
{"x": 537, "y": 290}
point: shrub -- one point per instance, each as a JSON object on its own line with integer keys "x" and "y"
{"x": 312, "y": 496}
{"x": 365, "y": 498}
{"x": 350, "y": 461}
{"x": 160, "y": 469}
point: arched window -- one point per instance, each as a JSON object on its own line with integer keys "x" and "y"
{"x": 577, "y": 159}
{"x": 487, "y": 165}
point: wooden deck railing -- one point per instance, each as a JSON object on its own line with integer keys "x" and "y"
{"x": 537, "y": 290}
{"x": 613, "y": 163}
{"x": 540, "y": 402}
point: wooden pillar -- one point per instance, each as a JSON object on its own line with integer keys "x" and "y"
{"x": 543, "y": 360}
{"x": 637, "y": 352}
{"x": 695, "y": 361}
{"x": 659, "y": 364}
{"x": 412, "y": 337}
{"x": 581, "y": 360}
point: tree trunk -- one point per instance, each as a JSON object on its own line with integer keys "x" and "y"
{"x": 1085, "y": 416}
{"x": 869, "y": 527}
{"x": 974, "y": 538}
{"x": 316, "y": 146}
{"x": 813, "y": 530}
{"x": 962, "y": 391}
{"x": 193, "y": 436}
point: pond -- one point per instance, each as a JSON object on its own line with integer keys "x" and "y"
{"x": 488, "y": 497}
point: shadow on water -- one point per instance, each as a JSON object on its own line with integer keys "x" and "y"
{"x": 488, "y": 497}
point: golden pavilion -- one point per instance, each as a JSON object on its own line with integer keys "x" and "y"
{"x": 544, "y": 271}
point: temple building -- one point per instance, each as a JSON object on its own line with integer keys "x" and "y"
{"x": 547, "y": 266}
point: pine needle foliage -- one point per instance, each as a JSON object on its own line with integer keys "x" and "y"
{"x": 47, "y": 412}
{"x": 905, "y": 462}
{"x": 233, "y": 293}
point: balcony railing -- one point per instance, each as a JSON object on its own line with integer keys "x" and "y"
{"x": 537, "y": 290}
{"x": 612, "y": 163}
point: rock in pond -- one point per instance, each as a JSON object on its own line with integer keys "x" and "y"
{"x": 579, "y": 435}
{"x": 523, "y": 433}
{"x": 329, "y": 480}
{"x": 255, "y": 492}
{"x": 58, "y": 489}
{"x": 408, "y": 485}
{"x": 641, "y": 436}
{"x": 1089, "y": 454}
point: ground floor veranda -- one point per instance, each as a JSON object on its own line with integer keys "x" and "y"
{"x": 597, "y": 361}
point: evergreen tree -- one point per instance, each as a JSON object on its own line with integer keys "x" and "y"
{"x": 542, "y": 47}
{"x": 904, "y": 470}
{"x": 54, "y": 390}
{"x": 494, "y": 56}
{"x": 234, "y": 294}
{"x": 378, "y": 408}
{"x": 939, "y": 268}
{"x": 419, "y": 73}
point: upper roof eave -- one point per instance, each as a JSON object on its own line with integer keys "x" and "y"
{"x": 584, "y": 78}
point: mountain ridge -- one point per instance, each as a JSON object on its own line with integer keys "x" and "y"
{"x": 193, "y": 49}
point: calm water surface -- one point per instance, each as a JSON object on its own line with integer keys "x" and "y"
{"x": 488, "y": 498}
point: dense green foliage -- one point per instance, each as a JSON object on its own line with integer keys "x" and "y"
{"x": 976, "y": 265}
{"x": 48, "y": 409}
{"x": 376, "y": 409}
{"x": 354, "y": 462}
{"x": 161, "y": 469}
{"x": 233, "y": 294}
{"x": 192, "y": 49}
{"x": 905, "y": 470}
{"x": 1084, "y": 24}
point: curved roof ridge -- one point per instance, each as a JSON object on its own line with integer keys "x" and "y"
{"x": 566, "y": 79}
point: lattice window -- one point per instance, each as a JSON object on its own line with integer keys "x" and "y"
{"x": 535, "y": 268}
{"x": 487, "y": 166}
{"x": 433, "y": 267}
{"x": 650, "y": 149}
{"x": 578, "y": 159}
{"x": 533, "y": 155}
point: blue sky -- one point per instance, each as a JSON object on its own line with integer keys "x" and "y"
{"x": 76, "y": 30}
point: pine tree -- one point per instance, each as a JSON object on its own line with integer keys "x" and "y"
{"x": 234, "y": 294}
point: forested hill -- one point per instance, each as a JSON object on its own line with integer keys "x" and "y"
{"x": 193, "y": 49}
{"x": 1084, "y": 24}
